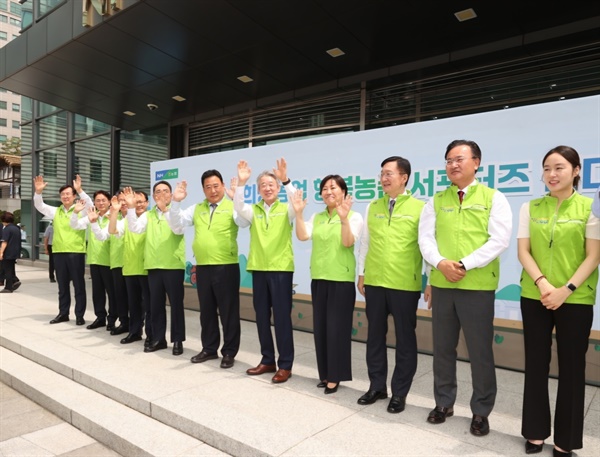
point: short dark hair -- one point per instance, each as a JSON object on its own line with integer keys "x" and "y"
{"x": 475, "y": 151}
{"x": 209, "y": 174}
{"x": 143, "y": 193}
{"x": 101, "y": 192}
{"x": 402, "y": 164}
{"x": 8, "y": 217}
{"x": 337, "y": 179}
{"x": 65, "y": 187}
{"x": 161, "y": 182}
{"x": 572, "y": 157}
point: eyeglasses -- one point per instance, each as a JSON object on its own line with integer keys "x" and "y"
{"x": 390, "y": 174}
{"x": 162, "y": 191}
{"x": 458, "y": 160}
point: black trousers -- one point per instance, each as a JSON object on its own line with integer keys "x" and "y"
{"x": 272, "y": 290}
{"x": 473, "y": 311}
{"x": 70, "y": 267}
{"x": 402, "y": 305}
{"x": 120, "y": 291}
{"x": 102, "y": 285}
{"x": 163, "y": 284}
{"x": 573, "y": 324}
{"x": 138, "y": 295}
{"x": 10, "y": 277}
{"x": 50, "y": 263}
{"x": 219, "y": 295}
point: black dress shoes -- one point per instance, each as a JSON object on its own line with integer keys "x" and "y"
{"x": 557, "y": 453}
{"x": 322, "y": 384}
{"x": 177, "y": 348}
{"x": 156, "y": 346}
{"x": 480, "y": 425}
{"x": 60, "y": 318}
{"x": 131, "y": 338}
{"x": 439, "y": 414}
{"x": 203, "y": 357}
{"x": 397, "y": 404}
{"x": 371, "y": 397}
{"x": 331, "y": 390}
{"x": 227, "y": 361}
{"x": 16, "y": 285}
{"x": 80, "y": 320}
{"x": 147, "y": 342}
{"x": 120, "y": 330}
{"x": 97, "y": 324}
{"x": 110, "y": 327}
{"x": 531, "y": 448}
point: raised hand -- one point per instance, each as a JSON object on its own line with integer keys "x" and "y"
{"x": 244, "y": 172}
{"x": 298, "y": 202}
{"x": 281, "y": 170}
{"x": 79, "y": 206}
{"x": 232, "y": 187}
{"x": 180, "y": 191}
{"x": 129, "y": 197}
{"x": 115, "y": 204}
{"x": 343, "y": 208}
{"x": 92, "y": 215}
{"x": 39, "y": 184}
{"x": 77, "y": 184}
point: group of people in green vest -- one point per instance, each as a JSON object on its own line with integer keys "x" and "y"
{"x": 458, "y": 235}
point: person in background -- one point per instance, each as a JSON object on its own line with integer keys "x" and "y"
{"x": 559, "y": 248}
{"x": 333, "y": 271}
{"x": 48, "y": 236}
{"x": 23, "y": 232}
{"x": 10, "y": 250}
{"x": 271, "y": 261}
{"x": 68, "y": 247}
{"x": 462, "y": 232}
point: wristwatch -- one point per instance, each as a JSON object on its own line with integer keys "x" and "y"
{"x": 571, "y": 286}
{"x": 462, "y": 265}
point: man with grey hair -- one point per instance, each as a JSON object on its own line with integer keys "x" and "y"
{"x": 271, "y": 261}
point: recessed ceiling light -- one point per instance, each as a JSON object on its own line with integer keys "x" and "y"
{"x": 335, "y": 52}
{"x": 178, "y": 98}
{"x": 465, "y": 15}
{"x": 129, "y": 113}
{"x": 562, "y": 98}
{"x": 245, "y": 79}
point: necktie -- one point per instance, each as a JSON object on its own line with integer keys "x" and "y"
{"x": 461, "y": 194}
{"x": 392, "y": 203}
{"x": 213, "y": 206}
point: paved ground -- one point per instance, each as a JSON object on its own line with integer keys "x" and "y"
{"x": 134, "y": 402}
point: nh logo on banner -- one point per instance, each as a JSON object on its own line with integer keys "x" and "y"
{"x": 167, "y": 174}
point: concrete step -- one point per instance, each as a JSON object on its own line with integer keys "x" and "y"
{"x": 115, "y": 425}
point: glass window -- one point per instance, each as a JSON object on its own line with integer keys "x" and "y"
{"x": 3, "y": 36}
{"x": 48, "y": 5}
{"x": 2, "y": 122}
{"x": 15, "y": 125}
{"x": 2, "y": 138}
{"x": 3, "y": 91}
{"x": 15, "y": 8}
{"x": 4, "y": 5}
{"x": 138, "y": 150}
{"x": 92, "y": 162}
{"x": 85, "y": 126}
{"x": 45, "y": 108}
{"x": 16, "y": 22}
{"x": 53, "y": 167}
{"x": 27, "y": 13}
{"x": 3, "y": 18}
{"x": 52, "y": 130}
{"x": 2, "y": 104}
{"x": 25, "y": 109}
{"x": 16, "y": 107}
{"x": 26, "y": 138}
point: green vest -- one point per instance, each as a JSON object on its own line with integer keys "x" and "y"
{"x": 66, "y": 239}
{"x": 394, "y": 260}
{"x": 98, "y": 252}
{"x": 557, "y": 243}
{"x": 215, "y": 240}
{"x": 133, "y": 253}
{"x": 330, "y": 259}
{"x": 163, "y": 250}
{"x": 116, "y": 249}
{"x": 270, "y": 239}
{"x": 460, "y": 230}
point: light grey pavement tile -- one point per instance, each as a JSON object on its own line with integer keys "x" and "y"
{"x": 16, "y": 406}
{"x": 59, "y": 439}
{"x": 19, "y": 447}
{"x": 202, "y": 450}
{"x": 92, "y": 450}
{"x": 27, "y": 422}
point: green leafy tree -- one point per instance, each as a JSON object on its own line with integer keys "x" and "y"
{"x": 11, "y": 146}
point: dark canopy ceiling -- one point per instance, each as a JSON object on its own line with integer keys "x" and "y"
{"x": 156, "y": 49}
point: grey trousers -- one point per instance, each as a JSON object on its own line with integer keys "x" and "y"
{"x": 473, "y": 311}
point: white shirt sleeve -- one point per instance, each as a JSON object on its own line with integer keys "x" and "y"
{"x": 79, "y": 223}
{"x": 364, "y": 244}
{"x": 308, "y": 225}
{"x": 120, "y": 228}
{"x": 179, "y": 218}
{"x": 136, "y": 224}
{"x": 356, "y": 225}
{"x": 46, "y": 210}
{"x": 101, "y": 234}
{"x": 592, "y": 228}
{"x": 86, "y": 198}
{"x": 243, "y": 209}
{"x": 499, "y": 230}
{"x": 427, "y": 240}
{"x": 290, "y": 190}
{"x": 523, "y": 229}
